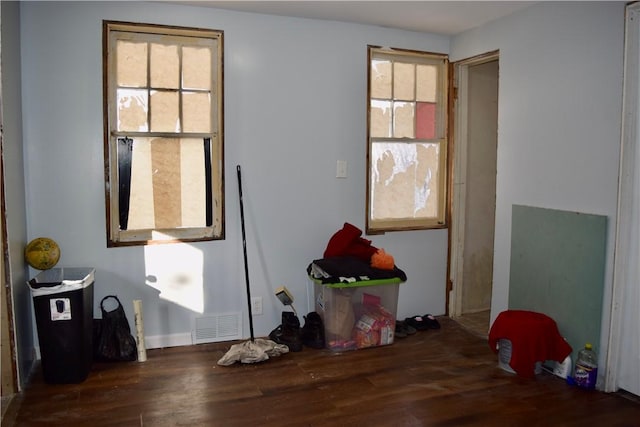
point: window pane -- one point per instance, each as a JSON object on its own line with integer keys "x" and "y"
{"x": 381, "y": 79}
{"x": 168, "y": 188}
{"x": 131, "y": 64}
{"x": 196, "y": 68}
{"x": 403, "y": 120}
{"x": 165, "y": 67}
{"x": 404, "y": 180}
{"x": 165, "y": 162}
{"x": 380, "y": 119}
{"x": 132, "y": 110}
{"x": 196, "y": 112}
{"x": 165, "y": 112}
{"x": 141, "y": 213}
{"x": 193, "y": 183}
{"x": 427, "y": 81}
{"x": 403, "y": 81}
{"x": 425, "y": 120}
{"x": 426, "y": 181}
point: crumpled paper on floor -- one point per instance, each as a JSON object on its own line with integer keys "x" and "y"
{"x": 254, "y": 351}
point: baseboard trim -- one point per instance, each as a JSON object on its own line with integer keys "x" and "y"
{"x": 172, "y": 340}
{"x": 153, "y": 341}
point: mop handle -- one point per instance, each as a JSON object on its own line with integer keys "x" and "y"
{"x": 244, "y": 249}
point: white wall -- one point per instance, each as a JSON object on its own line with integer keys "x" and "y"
{"x": 559, "y": 118}
{"x": 295, "y": 95}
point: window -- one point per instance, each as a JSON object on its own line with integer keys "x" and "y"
{"x": 163, "y": 133}
{"x": 407, "y": 144}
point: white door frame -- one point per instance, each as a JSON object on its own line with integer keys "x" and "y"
{"x": 627, "y": 192}
{"x": 458, "y": 195}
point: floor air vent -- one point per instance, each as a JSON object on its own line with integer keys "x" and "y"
{"x": 218, "y": 327}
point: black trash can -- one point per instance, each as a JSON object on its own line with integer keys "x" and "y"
{"x": 63, "y": 307}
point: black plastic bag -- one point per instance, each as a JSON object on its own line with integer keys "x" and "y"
{"x": 113, "y": 341}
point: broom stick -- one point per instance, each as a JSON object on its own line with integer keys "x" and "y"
{"x": 244, "y": 249}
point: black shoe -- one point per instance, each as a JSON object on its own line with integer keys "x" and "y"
{"x": 313, "y": 331}
{"x": 276, "y": 334}
{"x": 288, "y": 333}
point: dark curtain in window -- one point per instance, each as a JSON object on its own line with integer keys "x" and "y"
{"x": 207, "y": 180}
{"x": 125, "y": 150}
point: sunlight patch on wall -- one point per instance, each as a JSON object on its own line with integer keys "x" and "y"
{"x": 176, "y": 271}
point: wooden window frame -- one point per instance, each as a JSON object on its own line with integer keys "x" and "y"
{"x": 213, "y": 140}
{"x": 376, "y": 226}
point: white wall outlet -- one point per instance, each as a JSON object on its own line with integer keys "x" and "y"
{"x": 256, "y": 306}
{"x": 341, "y": 169}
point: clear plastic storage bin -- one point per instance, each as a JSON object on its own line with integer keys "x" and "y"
{"x": 359, "y": 314}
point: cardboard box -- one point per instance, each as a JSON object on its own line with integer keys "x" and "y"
{"x": 359, "y": 314}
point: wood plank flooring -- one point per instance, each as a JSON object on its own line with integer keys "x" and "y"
{"x": 477, "y": 323}
{"x": 446, "y": 377}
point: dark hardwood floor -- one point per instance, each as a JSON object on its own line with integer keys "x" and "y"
{"x": 477, "y": 323}
{"x": 446, "y": 377}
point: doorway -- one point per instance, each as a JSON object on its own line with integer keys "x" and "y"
{"x": 474, "y": 192}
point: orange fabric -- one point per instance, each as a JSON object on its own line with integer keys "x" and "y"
{"x": 534, "y": 338}
{"x": 382, "y": 260}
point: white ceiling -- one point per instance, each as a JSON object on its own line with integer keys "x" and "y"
{"x": 440, "y": 17}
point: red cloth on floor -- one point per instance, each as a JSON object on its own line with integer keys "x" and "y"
{"x": 534, "y": 338}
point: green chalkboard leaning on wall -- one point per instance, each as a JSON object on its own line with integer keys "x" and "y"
{"x": 557, "y": 268}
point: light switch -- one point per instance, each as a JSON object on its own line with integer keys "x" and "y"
{"x": 341, "y": 169}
